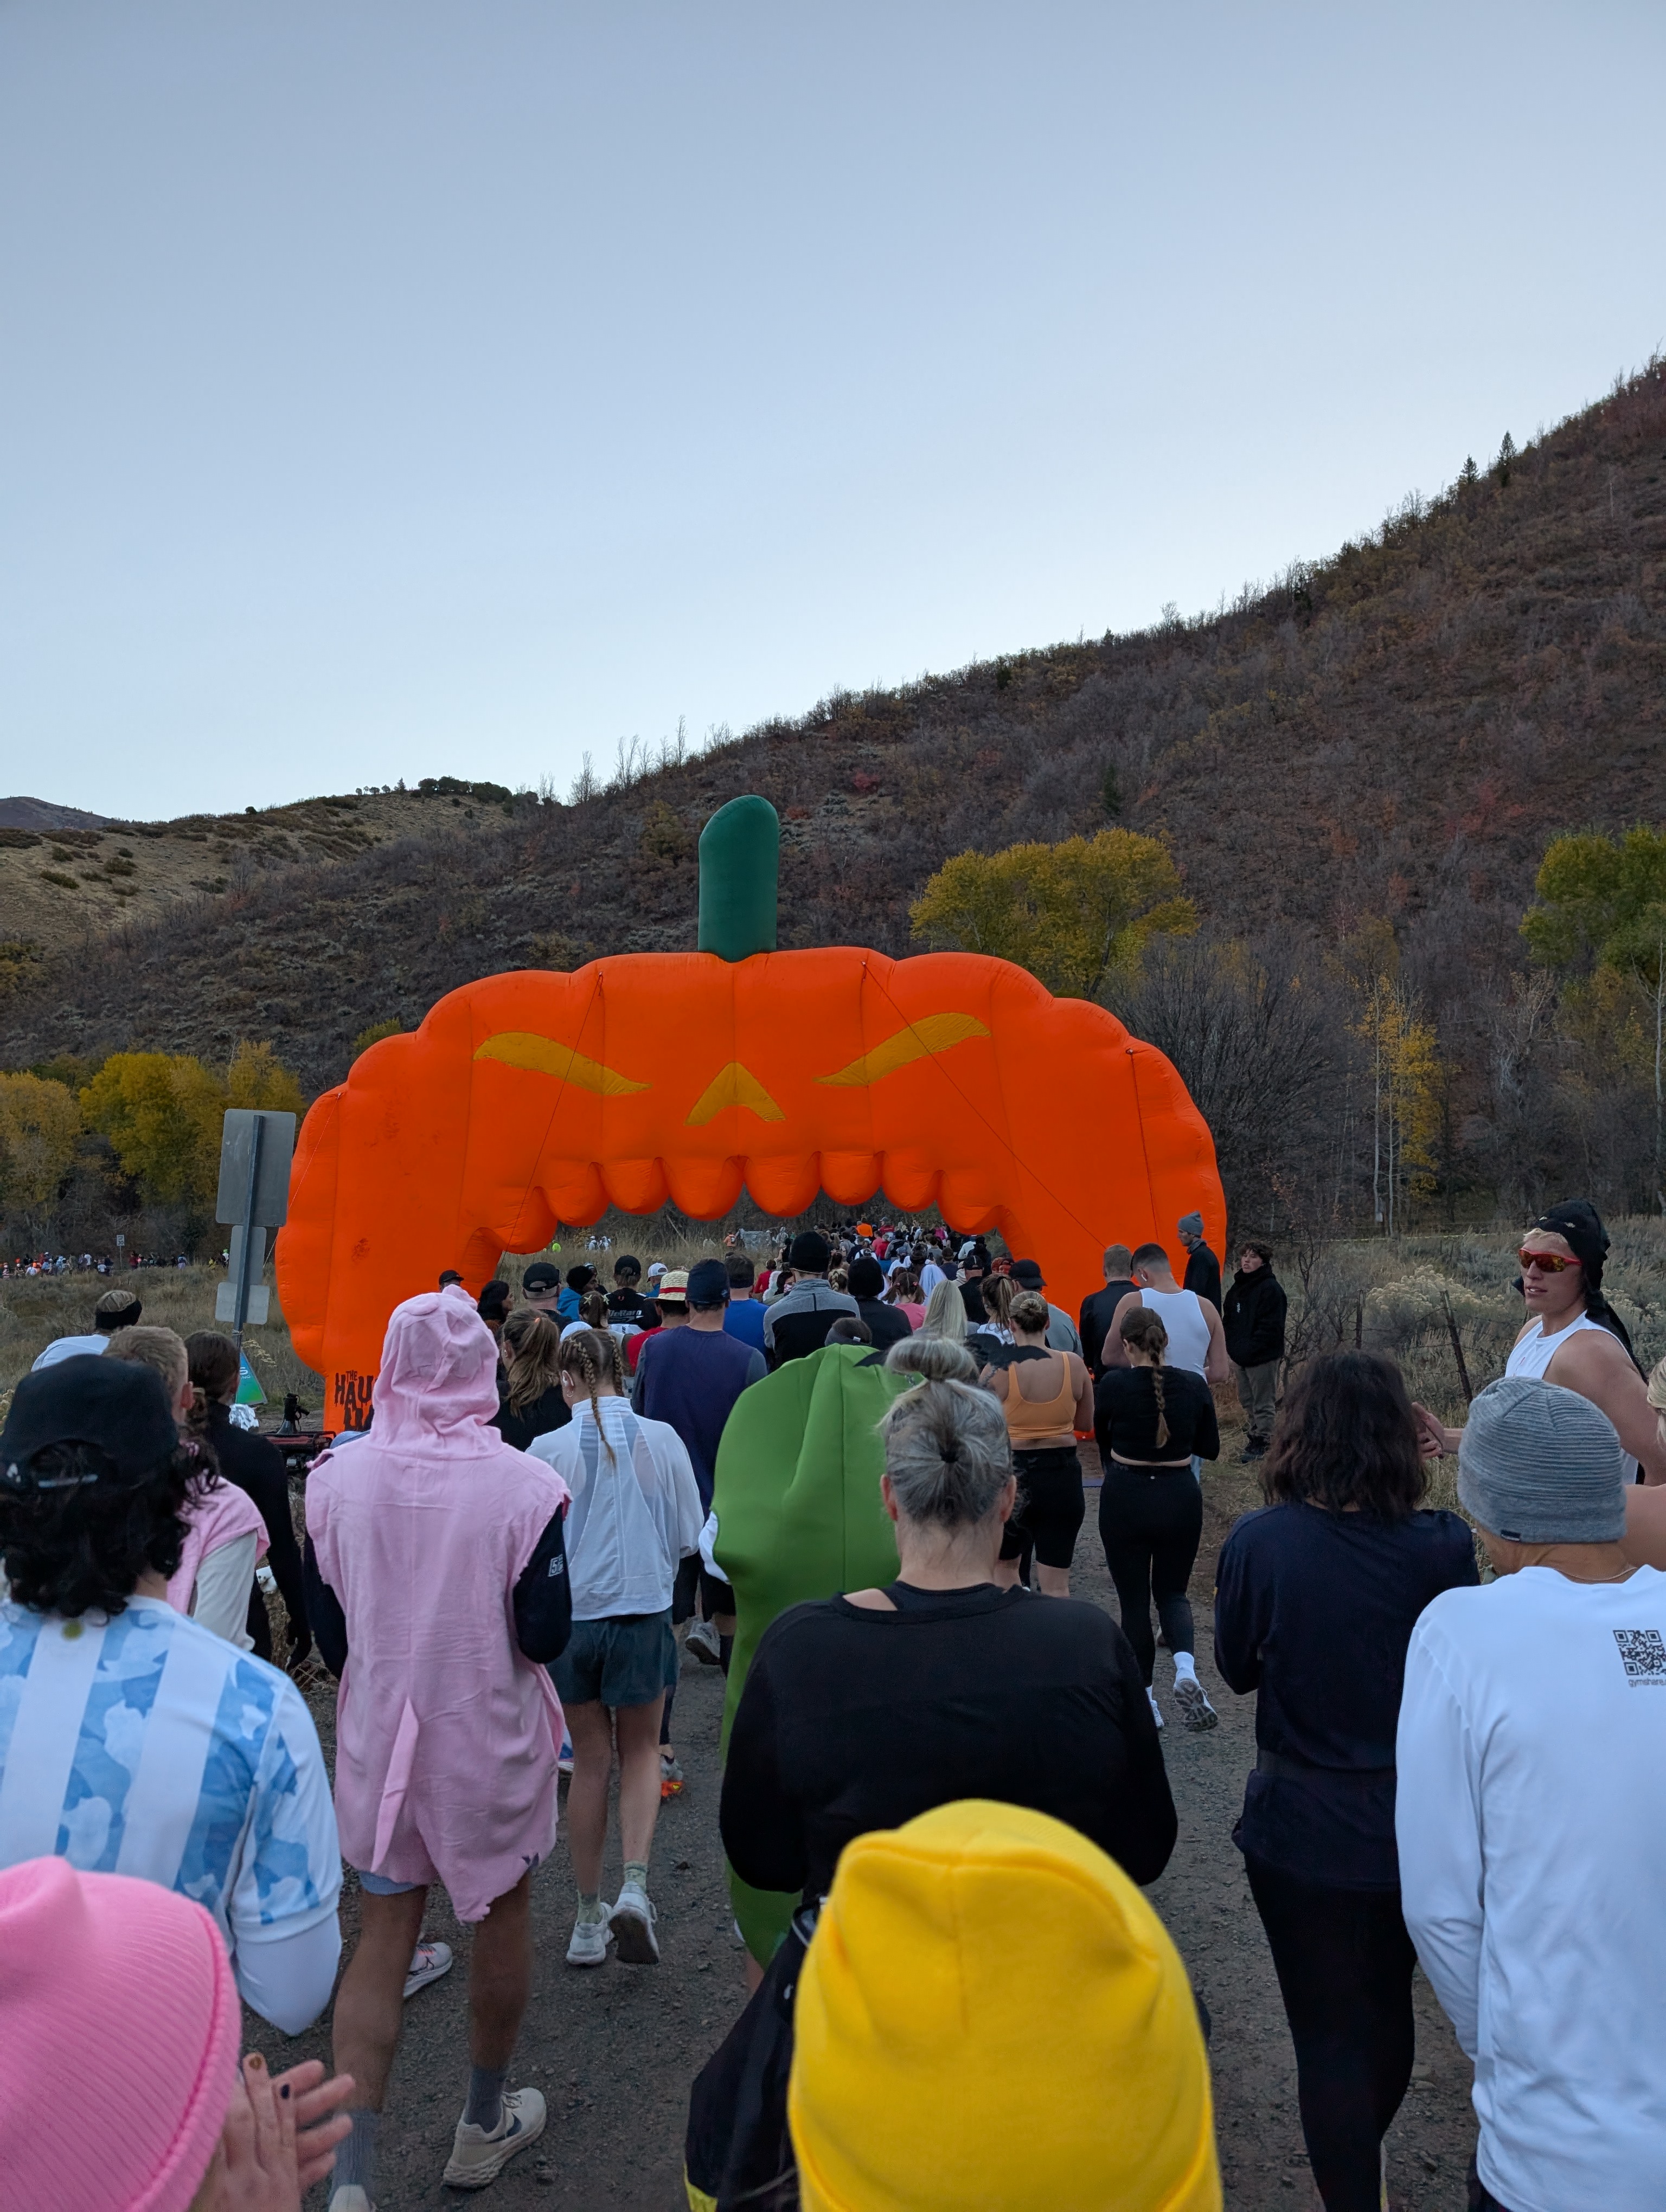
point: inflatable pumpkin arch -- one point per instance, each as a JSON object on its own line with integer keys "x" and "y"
{"x": 535, "y": 1098}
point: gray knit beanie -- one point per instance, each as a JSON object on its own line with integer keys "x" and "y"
{"x": 1189, "y": 1225}
{"x": 1541, "y": 1465}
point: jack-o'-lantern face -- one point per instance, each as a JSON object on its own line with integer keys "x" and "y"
{"x": 532, "y": 1099}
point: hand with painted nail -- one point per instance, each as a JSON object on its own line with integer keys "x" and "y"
{"x": 279, "y": 2138}
{"x": 320, "y": 2122}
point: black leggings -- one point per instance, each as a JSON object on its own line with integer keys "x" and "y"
{"x": 1344, "y": 1963}
{"x": 1150, "y": 1526}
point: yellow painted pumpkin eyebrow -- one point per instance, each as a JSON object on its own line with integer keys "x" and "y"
{"x": 733, "y": 1085}
{"x": 542, "y": 1056}
{"x": 917, "y": 1040}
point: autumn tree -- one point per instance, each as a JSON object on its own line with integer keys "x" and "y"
{"x": 1405, "y": 1078}
{"x": 162, "y": 1114}
{"x": 1075, "y": 914}
{"x": 1602, "y": 906}
{"x": 40, "y": 1124}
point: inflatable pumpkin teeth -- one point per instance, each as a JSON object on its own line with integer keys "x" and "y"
{"x": 531, "y": 1099}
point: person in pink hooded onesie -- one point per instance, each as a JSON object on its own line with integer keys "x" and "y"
{"x": 438, "y": 1585}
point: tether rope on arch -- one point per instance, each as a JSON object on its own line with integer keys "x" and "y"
{"x": 1140, "y": 1123}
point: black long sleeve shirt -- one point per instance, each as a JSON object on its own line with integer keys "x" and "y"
{"x": 1314, "y": 1611}
{"x": 1125, "y": 1415}
{"x": 852, "y": 1720}
{"x": 543, "y": 1602}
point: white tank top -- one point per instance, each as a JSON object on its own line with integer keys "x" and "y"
{"x": 1182, "y": 1314}
{"x": 1535, "y": 1352}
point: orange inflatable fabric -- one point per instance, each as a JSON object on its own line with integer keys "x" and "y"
{"x": 533, "y": 1099}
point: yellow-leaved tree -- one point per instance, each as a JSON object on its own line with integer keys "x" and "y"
{"x": 162, "y": 1113}
{"x": 1405, "y": 1076}
{"x": 39, "y": 1123}
{"x": 1076, "y": 914}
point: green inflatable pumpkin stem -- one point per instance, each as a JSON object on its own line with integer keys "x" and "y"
{"x": 739, "y": 869}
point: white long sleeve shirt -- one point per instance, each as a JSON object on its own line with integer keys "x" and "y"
{"x": 1530, "y": 1815}
{"x": 636, "y": 1511}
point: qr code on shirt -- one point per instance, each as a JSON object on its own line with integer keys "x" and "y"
{"x": 1643, "y": 1650}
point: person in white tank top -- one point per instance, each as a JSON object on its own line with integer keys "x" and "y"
{"x": 1196, "y": 1340}
{"x": 1561, "y": 1258}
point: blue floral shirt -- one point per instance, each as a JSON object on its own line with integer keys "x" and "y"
{"x": 145, "y": 1745}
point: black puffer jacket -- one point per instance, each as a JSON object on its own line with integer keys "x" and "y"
{"x": 1253, "y": 1318}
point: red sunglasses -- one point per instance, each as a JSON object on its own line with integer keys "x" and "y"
{"x": 1548, "y": 1263}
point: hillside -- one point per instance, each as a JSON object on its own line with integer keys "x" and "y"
{"x": 69, "y": 880}
{"x": 17, "y": 813}
{"x": 1393, "y": 733}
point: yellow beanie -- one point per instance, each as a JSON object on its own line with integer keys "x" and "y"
{"x": 990, "y": 2015}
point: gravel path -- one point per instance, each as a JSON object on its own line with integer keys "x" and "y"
{"x": 614, "y": 2051}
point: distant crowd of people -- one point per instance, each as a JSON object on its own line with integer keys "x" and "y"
{"x": 944, "y": 1784}
{"x": 62, "y": 1263}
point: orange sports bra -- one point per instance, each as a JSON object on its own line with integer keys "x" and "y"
{"x": 1039, "y": 1416}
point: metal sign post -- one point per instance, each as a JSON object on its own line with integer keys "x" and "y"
{"x": 255, "y": 1150}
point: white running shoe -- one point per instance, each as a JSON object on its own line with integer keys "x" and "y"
{"x": 632, "y": 1921}
{"x": 1156, "y": 1710}
{"x": 427, "y": 1962}
{"x": 589, "y": 1945}
{"x": 477, "y": 2157}
{"x": 1196, "y": 1712}
{"x": 701, "y": 1640}
{"x": 350, "y": 2197}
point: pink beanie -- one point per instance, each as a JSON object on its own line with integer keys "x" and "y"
{"x": 125, "y": 1988}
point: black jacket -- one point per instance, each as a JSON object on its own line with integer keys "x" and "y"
{"x": 1098, "y": 1311}
{"x": 548, "y": 1411}
{"x": 886, "y": 1324}
{"x": 1253, "y": 1318}
{"x": 1203, "y": 1275}
{"x": 255, "y": 1465}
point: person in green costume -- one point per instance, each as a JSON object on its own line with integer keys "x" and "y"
{"x": 799, "y": 1516}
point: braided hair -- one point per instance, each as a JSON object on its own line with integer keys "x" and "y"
{"x": 1143, "y": 1329}
{"x": 590, "y": 1355}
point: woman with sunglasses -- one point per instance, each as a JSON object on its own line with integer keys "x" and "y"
{"x": 1573, "y": 1337}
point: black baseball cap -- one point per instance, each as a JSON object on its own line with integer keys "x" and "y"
{"x": 542, "y": 1275}
{"x": 1028, "y": 1271}
{"x": 708, "y": 1283}
{"x": 119, "y": 1408}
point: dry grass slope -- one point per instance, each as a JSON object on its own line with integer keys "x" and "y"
{"x": 1394, "y": 731}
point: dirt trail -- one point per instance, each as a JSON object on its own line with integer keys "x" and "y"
{"x": 614, "y": 2051}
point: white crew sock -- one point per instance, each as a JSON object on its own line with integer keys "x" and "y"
{"x": 1156, "y": 1710}
{"x": 1185, "y": 1666}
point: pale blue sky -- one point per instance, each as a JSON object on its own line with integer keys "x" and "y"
{"x": 397, "y": 388}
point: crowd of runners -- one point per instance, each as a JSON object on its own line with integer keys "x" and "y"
{"x": 850, "y": 1476}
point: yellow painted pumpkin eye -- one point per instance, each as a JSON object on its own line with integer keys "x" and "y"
{"x": 543, "y": 1056}
{"x": 932, "y": 1033}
